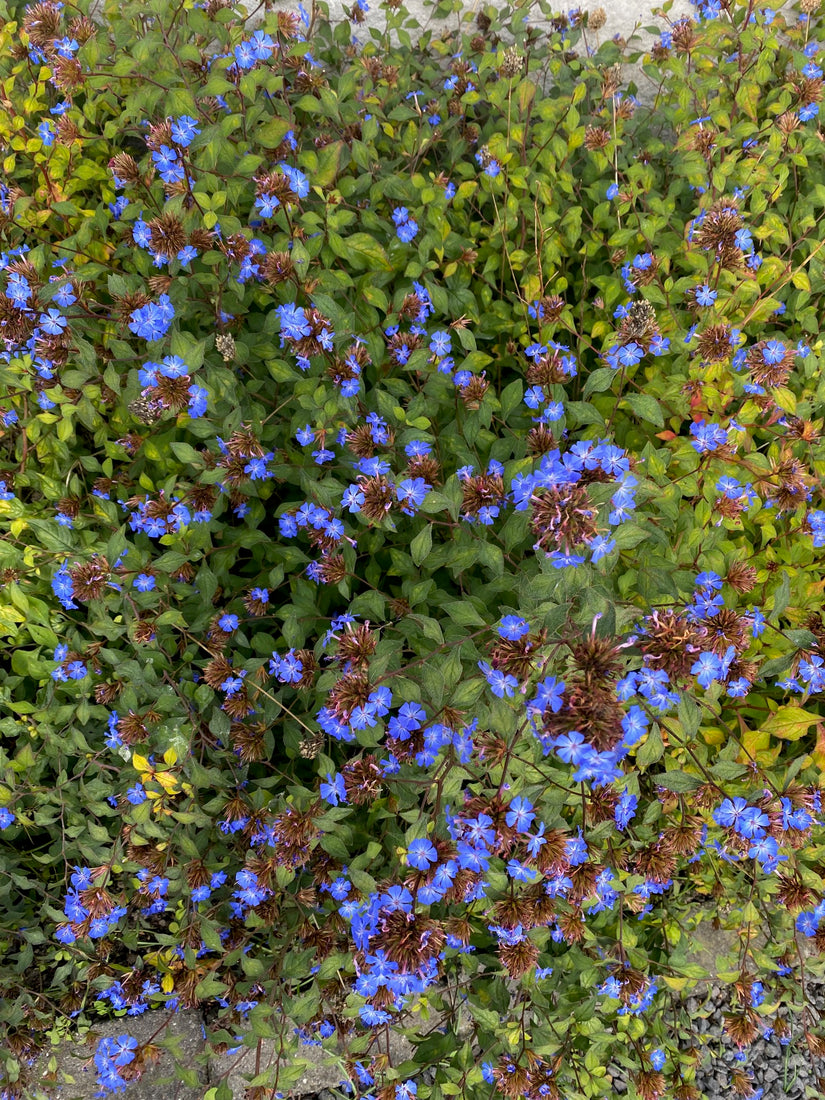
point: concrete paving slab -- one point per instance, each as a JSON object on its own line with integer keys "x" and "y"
{"x": 68, "y": 1073}
{"x": 320, "y": 1070}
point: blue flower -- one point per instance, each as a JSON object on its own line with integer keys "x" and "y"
{"x": 807, "y": 924}
{"x": 63, "y": 588}
{"x": 334, "y": 791}
{"x": 372, "y": 1016}
{"x": 513, "y": 627}
{"x": 707, "y": 669}
{"x": 625, "y": 810}
{"x": 411, "y": 493}
{"x": 773, "y": 351}
{"x": 152, "y": 321}
{"x": 708, "y": 581}
{"x": 440, "y": 343}
{"x": 184, "y": 130}
{"x": 407, "y": 231}
{"x": 266, "y": 205}
{"x": 6, "y": 817}
{"x": 294, "y": 323}
{"x": 600, "y": 547}
{"x": 298, "y": 182}
{"x": 245, "y": 55}
{"x": 571, "y": 747}
{"x": 172, "y": 366}
{"x": 752, "y": 823}
{"x": 705, "y": 296}
{"x": 730, "y": 811}
{"x": 501, "y": 683}
{"x": 421, "y": 853}
{"x": 766, "y": 850}
{"x": 520, "y": 815}
{"x": 167, "y": 163}
{"x": 53, "y": 322}
{"x": 198, "y": 401}
{"x": 630, "y": 354}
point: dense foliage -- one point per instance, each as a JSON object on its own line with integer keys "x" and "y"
{"x": 412, "y": 540}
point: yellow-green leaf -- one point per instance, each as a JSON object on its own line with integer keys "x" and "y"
{"x": 790, "y": 723}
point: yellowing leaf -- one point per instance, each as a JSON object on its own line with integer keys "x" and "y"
{"x": 9, "y": 618}
{"x": 170, "y": 757}
{"x": 790, "y": 723}
{"x": 819, "y": 751}
{"x": 756, "y": 741}
{"x": 140, "y": 763}
{"x": 168, "y": 781}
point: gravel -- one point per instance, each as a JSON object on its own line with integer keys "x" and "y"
{"x": 782, "y": 1072}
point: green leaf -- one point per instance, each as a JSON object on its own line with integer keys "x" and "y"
{"x": 421, "y": 545}
{"x": 790, "y": 723}
{"x": 652, "y": 750}
{"x": 463, "y": 613}
{"x": 599, "y": 380}
{"x": 511, "y": 398}
{"x": 645, "y": 406}
{"x": 677, "y": 781}
{"x": 690, "y": 716}
{"x": 781, "y": 597}
{"x": 185, "y": 452}
{"x": 361, "y": 250}
{"x": 329, "y": 159}
{"x": 728, "y": 769}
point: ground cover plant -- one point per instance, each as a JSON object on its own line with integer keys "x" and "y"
{"x": 411, "y": 549}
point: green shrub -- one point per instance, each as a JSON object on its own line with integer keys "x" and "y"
{"x": 411, "y": 546}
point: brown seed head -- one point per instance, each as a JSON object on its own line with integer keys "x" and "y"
{"x": 714, "y": 343}
{"x": 742, "y": 1027}
{"x": 670, "y": 641}
{"x": 563, "y": 518}
{"x": 42, "y": 23}
{"x": 684, "y": 36}
{"x": 596, "y": 19}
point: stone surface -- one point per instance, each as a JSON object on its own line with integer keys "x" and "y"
{"x": 75, "y": 1078}
{"x": 243, "y": 1065}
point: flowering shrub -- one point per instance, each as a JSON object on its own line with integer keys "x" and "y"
{"x": 412, "y": 530}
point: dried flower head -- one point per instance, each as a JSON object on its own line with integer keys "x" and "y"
{"x": 684, "y": 36}
{"x": 512, "y": 62}
{"x": 225, "y": 343}
{"x": 670, "y": 642}
{"x": 713, "y": 343}
{"x": 742, "y": 1027}
{"x": 650, "y": 1084}
{"x": 562, "y": 518}
{"x": 89, "y": 581}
